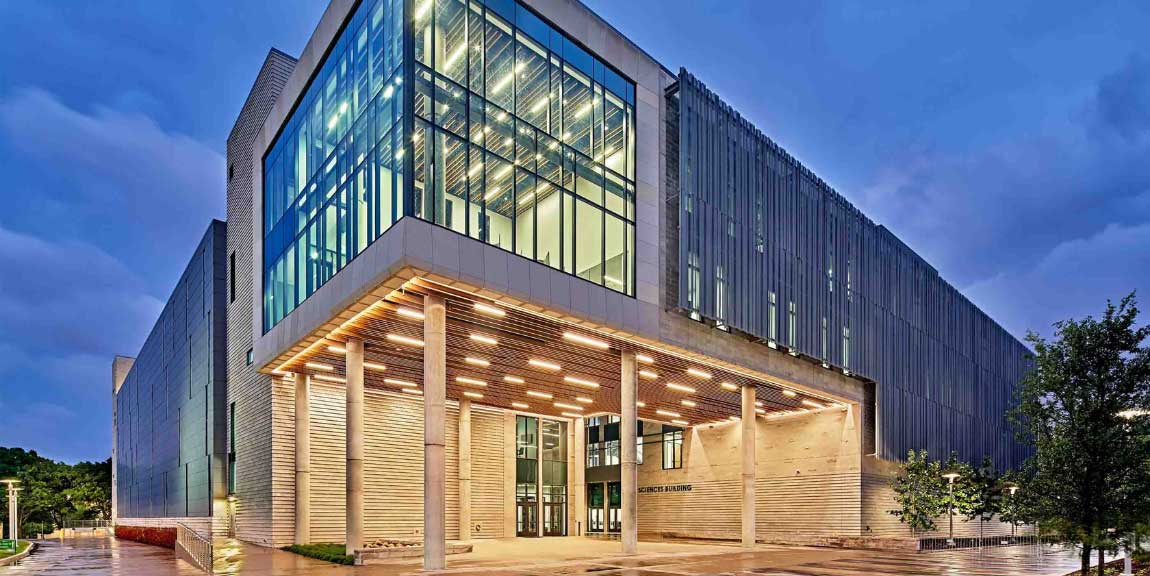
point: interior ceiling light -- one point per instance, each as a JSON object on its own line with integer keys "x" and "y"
{"x": 513, "y": 379}
{"x": 536, "y": 394}
{"x": 680, "y": 388}
{"x": 584, "y": 400}
{"x": 729, "y": 386}
{"x": 571, "y": 414}
{"x": 520, "y": 405}
{"x": 471, "y": 394}
{"x": 544, "y": 364}
{"x": 698, "y": 373}
{"x": 812, "y": 404}
{"x": 790, "y": 393}
{"x": 337, "y": 349}
{"x": 580, "y": 381}
{"x": 489, "y": 310}
{"x": 471, "y": 381}
{"x": 415, "y": 391}
{"x": 581, "y": 339}
{"x": 641, "y": 404}
{"x": 644, "y": 358}
{"x": 477, "y": 361}
{"x": 566, "y": 406}
{"x": 319, "y": 366}
{"x": 681, "y": 422}
{"x": 760, "y": 411}
{"x": 410, "y": 313}
{"x": 648, "y": 374}
{"x": 668, "y": 413}
{"x": 374, "y": 366}
{"x": 396, "y": 382}
{"x": 401, "y": 339}
{"x": 688, "y": 403}
{"x": 759, "y": 403}
{"x": 484, "y": 339}
{"x": 327, "y": 378}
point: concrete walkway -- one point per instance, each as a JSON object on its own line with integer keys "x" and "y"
{"x": 560, "y": 556}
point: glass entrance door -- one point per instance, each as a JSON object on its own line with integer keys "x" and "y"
{"x": 554, "y": 516}
{"x": 595, "y": 507}
{"x": 614, "y": 507}
{"x": 526, "y": 518}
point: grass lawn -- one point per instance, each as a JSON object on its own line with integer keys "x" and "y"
{"x": 1115, "y": 569}
{"x": 22, "y": 546}
{"x": 328, "y": 552}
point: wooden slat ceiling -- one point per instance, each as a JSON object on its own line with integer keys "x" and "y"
{"x": 503, "y": 375}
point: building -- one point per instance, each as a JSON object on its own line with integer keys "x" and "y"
{"x": 493, "y": 271}
{"x": 169, "y": 452}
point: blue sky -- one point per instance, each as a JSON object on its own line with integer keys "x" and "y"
{"x": 1008, "y": 143}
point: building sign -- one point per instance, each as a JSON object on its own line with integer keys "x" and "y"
{"x": 671, "y": 488}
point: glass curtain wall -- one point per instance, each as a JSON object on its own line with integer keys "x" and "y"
{"x": 554, "y": 459}
{"x": 333, "y": 179}
{"x": 519, "y": 138}
{"x": 526, "y": 475}
{"x": 523, "y": 140}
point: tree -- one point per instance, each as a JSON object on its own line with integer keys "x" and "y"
{"x": 1089, "y": 459}
{"x": 52, "y": 492}
{"x": 920, "y": 491}
{"x": 983, "y": 492}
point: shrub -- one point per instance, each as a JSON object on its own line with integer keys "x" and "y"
{"x": 327, "y": 552}
{"x": 165, "y": 537}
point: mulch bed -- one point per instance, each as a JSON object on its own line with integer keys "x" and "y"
{"x": 1115, "y": 569}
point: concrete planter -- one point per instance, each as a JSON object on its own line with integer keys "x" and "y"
{"x": 366, "y": 556}
{"x": 20, "y": 556}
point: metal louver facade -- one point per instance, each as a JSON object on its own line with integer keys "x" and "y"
{"x": 768, "y": 249}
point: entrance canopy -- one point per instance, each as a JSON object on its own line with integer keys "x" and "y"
{"x": 512, "y": 358}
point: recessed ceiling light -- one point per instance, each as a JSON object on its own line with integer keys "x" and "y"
{"x": 396, "y": 382}
{"x": 733, "y": 418}
{"x": 471, "y": 394}
{"x": 571, "y": 414}
{"x": 648, "y": 374}
{"x": 583, "y": 400}
{"x": 790, "y": 393}
{"x": 681, "y": 422}
{"x": 760, "y": 411}
{"x": 374, "y": 366}
{"x": 520, "y": 405}
{"x": 401, "y": 339}
{"x": 644, "y": 358}
{"x": 729, "y": 386}
{"x": 477, "y": 361}
{"x": 668, "y": 413}
{"x": 568, "y": 406}
{"x": 815, "y": 405}
{"x": 471, "y": 381}
{"x": 320, "y": 366}
{"x": 680, "y": 387}
{"x": 484, "y": 339}
{"x": 415, "y": 391}
{"x": 539, "y": 394}
{"x": 759, "y": 403}
{"x": 641, "y": 404}
{"x": 513, "y": 379}
{"x": 409, "y": 312}
{"x": 576, "y": 337}
{"x": 327, "y": 378}
{"x": 580, "y": 381}
{"x": 698, "y": 373}
{"x": 489, "y": 310}
{"x": 688, "y": 403}
{"x": 337, "y": 349}
{"x": 544, "y": 364}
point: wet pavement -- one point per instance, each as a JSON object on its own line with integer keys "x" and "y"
{"x": 554, "y": 556}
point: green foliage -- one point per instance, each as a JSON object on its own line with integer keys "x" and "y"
{"x": 22, "y": 546}
{"x": 1089, "y": 472}
{"x": 54, "y": 491}
{"x": 328, "y": 552}
{"x": 920, "y": 492}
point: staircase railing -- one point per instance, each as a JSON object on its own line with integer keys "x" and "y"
{"x": 194, "y": 548}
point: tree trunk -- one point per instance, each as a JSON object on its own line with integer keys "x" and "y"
{"x": 1085, "y": 560}
{"x": 1101, "y": 561}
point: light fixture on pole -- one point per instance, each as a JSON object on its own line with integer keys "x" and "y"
{"x": 1012, "y": 489}
{"x": 13, "y": 519}
{"x": 951, "y": 476}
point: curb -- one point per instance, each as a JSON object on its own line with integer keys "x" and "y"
{"x": 6, "y": 561}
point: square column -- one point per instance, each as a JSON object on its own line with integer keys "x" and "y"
{"x": 354, "y": 444}
{"x": 576, "y": 480}
{"x": 434, "y": 432}
{"x": 628, "y": 472}
{"x": 302, "y": 459}
{"x": 465, "y": 470}
{"x": 748, "y": 445}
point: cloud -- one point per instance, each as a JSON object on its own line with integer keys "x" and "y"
{"x": 1124, "y": 99}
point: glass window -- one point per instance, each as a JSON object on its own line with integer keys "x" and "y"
{"x": 672, "y": 449}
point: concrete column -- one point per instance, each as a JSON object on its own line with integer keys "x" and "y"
{"x": 577, "y": 485}
{"x": 434, "y": 433}
{"x": 539, "y": 477}
{"x": 628, "y": 473}
{"x": 354, "y": 442}
{"x": 465, "y": 470}
{"x": 748, "y": 424}
{"x": 606, "y": 506}
{"x": 302, "y": 459}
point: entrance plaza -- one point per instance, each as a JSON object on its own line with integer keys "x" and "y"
{"x": 570, "y": 555}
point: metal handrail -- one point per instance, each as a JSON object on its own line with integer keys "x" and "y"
{"x": 194, "y": 547}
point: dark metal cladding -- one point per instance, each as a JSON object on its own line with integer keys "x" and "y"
{"x": 768, "y": 249}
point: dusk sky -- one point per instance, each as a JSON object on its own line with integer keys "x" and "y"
{"x": 1007, "y": 143}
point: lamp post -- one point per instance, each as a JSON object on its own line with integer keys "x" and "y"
{"x": 951, "y": 476}
{"x": 13, "y": 522}
{"x": 1012, "y": 489}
